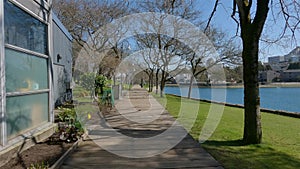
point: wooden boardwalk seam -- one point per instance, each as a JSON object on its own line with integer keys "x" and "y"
{"x": 138, "y": 133}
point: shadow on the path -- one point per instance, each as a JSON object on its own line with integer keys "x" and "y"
{"x": 139, "y": 133}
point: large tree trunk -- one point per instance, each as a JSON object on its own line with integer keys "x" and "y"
{"x": 251, "y": 29}
{"x": 252, "y": 119}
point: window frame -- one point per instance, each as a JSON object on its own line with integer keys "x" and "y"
{"x": 31, "y": 127}
{"x": 47, "y": 21}
{"x": 3, "y": 136}
{"x": 34, "y": 16}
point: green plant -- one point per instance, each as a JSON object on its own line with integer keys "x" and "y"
{"x": 100, "y": 82}
{"x": 70, "y": 128}
{"x": 42, "y": 165}
{"x": 67, "y": 114}
{"x": 79, "y": 91}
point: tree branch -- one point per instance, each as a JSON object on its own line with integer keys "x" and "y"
{"x": 211, "y": 15}
{"x": 233, "y": 17}
{"x": 287, "y": 17}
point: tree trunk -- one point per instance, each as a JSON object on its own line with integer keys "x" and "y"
{"x": 251, "y": 29}
{"x": 151, "y": 82}
{"x": 252, "y": 119}
{"x": 190, "y": 86}
{"x": 156, "y": 81}
{"x": 162, "y": 86}
{"x": 162, "y": 83}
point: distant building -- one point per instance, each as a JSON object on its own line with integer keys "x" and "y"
{"x": 292, "y": 57}
{"x": 268, "y": 76}
{"x": 276, "y": 59}
{"x": 290, "y": 75}
{"x": 282, "y": 68}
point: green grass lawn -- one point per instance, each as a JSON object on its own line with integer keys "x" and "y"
{"x": 281, "y": 137}
{"x": 79, "y": 91}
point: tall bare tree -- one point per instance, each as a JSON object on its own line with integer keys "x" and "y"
{"x": 251, "y": 21}
{"x": 229, "y": 53}
{"x": 148, "y": 63}
{"x": 83, "y": 18}
{"x": 168, "y": 54}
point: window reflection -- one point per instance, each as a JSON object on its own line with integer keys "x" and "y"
{"x": 25, "y": 112}
{"x": 25, "y": 72}
{"x": 23, "y": 30}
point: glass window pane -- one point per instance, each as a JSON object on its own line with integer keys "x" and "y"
{"x": 25, "y": 112}
{"x": 23, "y": 30}
{"x": 25, "y": 72}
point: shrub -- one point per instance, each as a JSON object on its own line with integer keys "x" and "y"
{"x": 70, "y": 128}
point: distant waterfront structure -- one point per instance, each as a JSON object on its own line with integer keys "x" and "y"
{"x": 292, "y": 57}
{"x": 282, "y": 68}
{"x": 290, "y": 75}
{"x": 268, "y": 76}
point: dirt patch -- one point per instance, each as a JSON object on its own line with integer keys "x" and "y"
{"x": 42, "y": 154}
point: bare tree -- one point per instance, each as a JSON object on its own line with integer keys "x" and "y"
{"x": 168, "y": 56}
{"x": 229, "y": 53}
{"x": 83, "y": 18}
{"x": 161, "y": 55}
{"x": 251, "y": 21}
{"x": 148, "y": 63}
{"x": 109, "y": 63}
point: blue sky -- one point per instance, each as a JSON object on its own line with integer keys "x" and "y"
{"x": 272, "y": 28}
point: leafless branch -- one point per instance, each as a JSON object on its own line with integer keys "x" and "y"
{"x": 233, "y": 17}
{"x": 288, "y": 16}
{"x": 211, "y": 15}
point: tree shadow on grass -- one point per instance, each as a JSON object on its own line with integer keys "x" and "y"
{"x": 225, "y": 143}
{"x": 234, "y": 154}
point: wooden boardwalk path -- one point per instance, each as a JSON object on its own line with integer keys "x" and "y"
{"x": 138, "y": 133}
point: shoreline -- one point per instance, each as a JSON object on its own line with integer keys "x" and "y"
{"x": 278, "y": 112}
{"x": 269, "y": 85}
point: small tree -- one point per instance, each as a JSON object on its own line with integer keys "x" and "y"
{"x": 100, "y": 82}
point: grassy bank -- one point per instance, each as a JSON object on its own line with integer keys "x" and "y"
{"x": 281, "y": 138}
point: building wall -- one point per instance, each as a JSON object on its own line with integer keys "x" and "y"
{"x": 290, "y": 76}
{"x": 62, "y": 61}
{"x": 30, "y": 72}
{"x": 25, "y": 89}
{"x": 268, "y": 76}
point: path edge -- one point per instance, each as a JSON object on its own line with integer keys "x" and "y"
{"x": 62, "y": 158}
